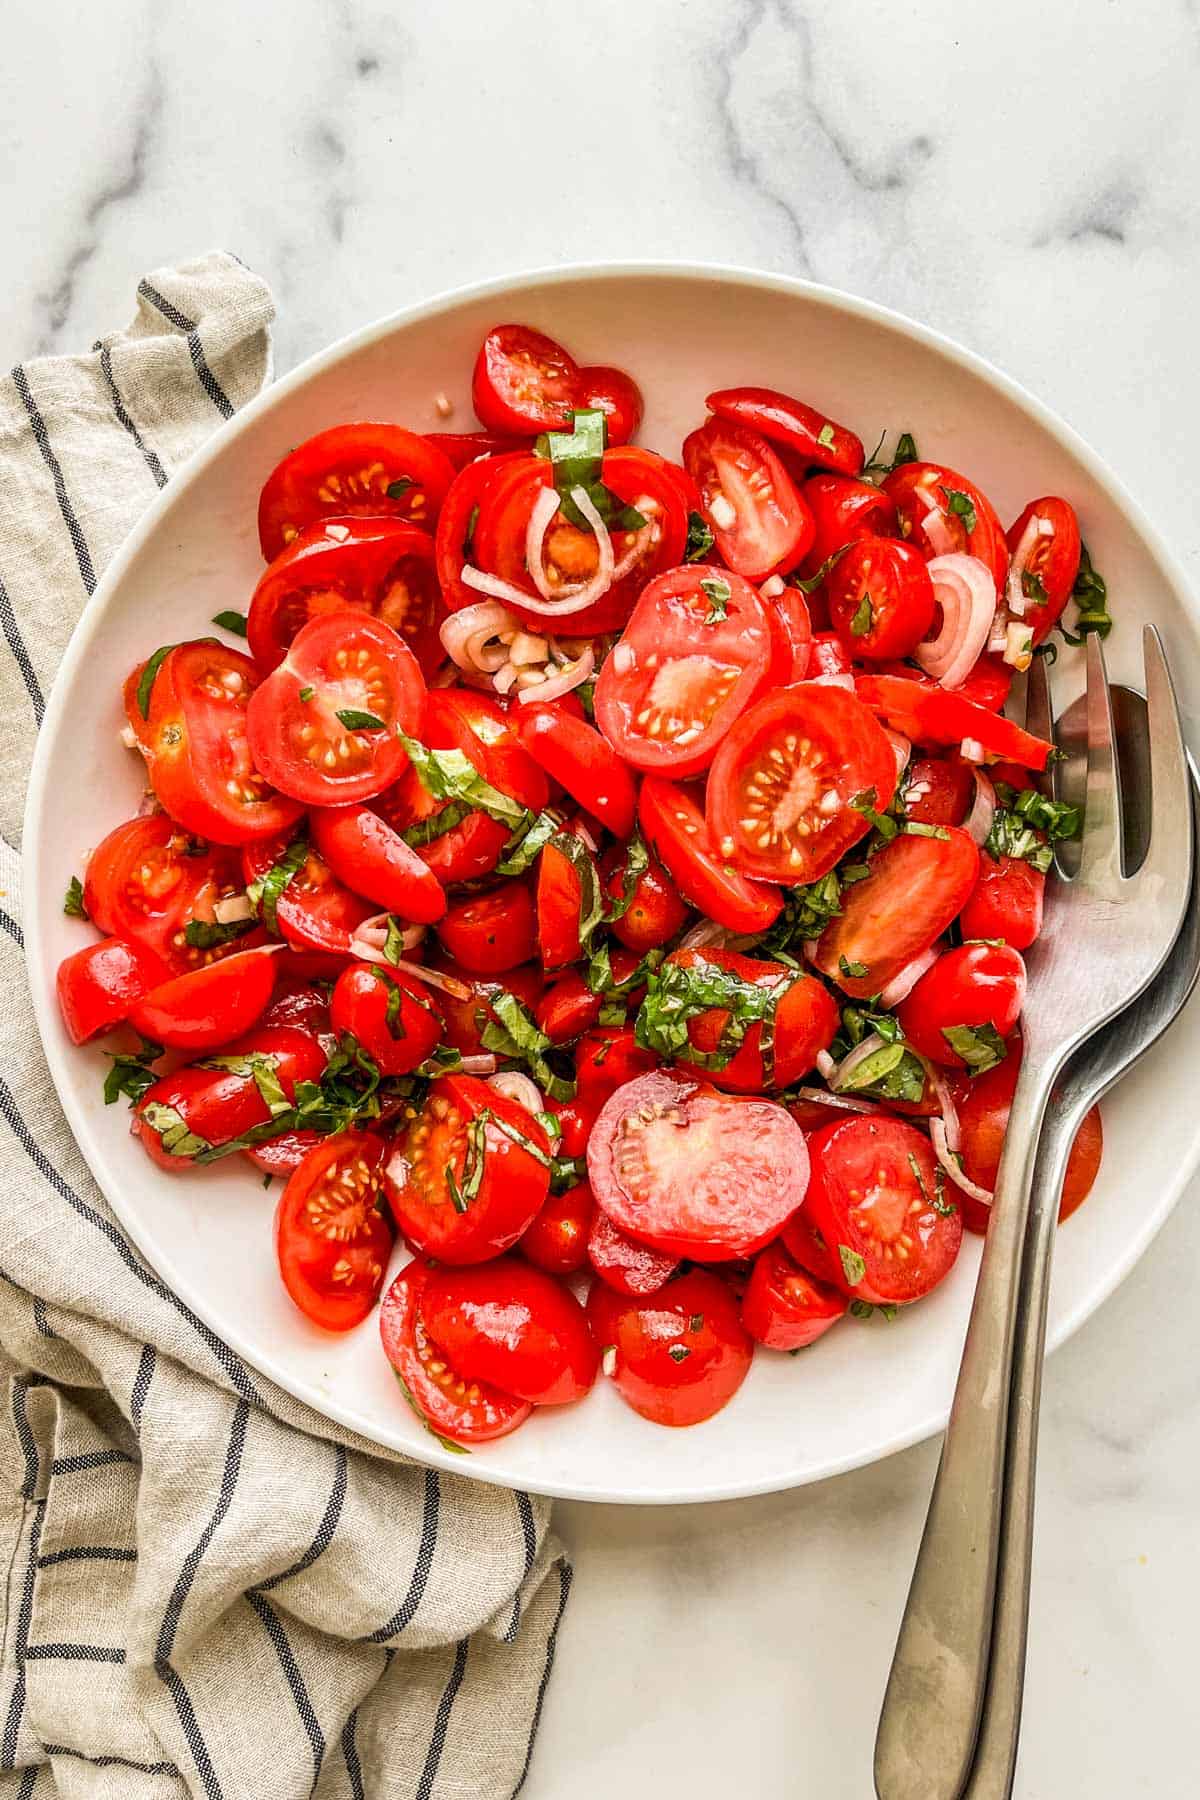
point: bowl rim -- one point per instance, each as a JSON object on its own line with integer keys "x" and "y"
{"x": 193, "y": 471}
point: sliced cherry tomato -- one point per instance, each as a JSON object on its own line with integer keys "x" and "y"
{"x": 966, "y": 518}
{"x": 676, "y": 832}
{"x": 678, "y": 1356}
{"x": 929, "y": 714}
{"x": 574, "y": 755}
{"x": 605, "y": 1059}
{"x": 693, "y": 1171}
{"x": 989, "y": 683}
{"x": 99, "y": 986}
{"x": 313, "y": 910}
{"x": 653, "y": 913}
{"x": 786, "y": 1308}
{"x": 983, "y": 1123}
{"x": 196, "y": 744}
{"x": 568, "y": 891}
{"x": 378, "y": 566}
{"x": 803, "y": 1022}
{"x": 297, "y": 1000}
{"x": 880, "y": 599}
{"x": 489, "y": 933}
{"x": 283, "y": 1155}
{"x": 804, "y": 1242}
{"x": 568, "y": 1007}
{"x": 470, "y": 1174}
{"x": 216, "y": 1101}
{"x": 1045, "y": 539}
{"x": 209, "y": 1006}
{"x": 625, "y": 1264}
{"x": 615, "y": 394}
{"x": 465, "y": 447}
{"x": 465, "y": 1019}
{"x": 468, "y": 1412}
{"x": 575, "y": 1120}
{"x": 879, "y": 1201}
{"x": 781, "y": 789}
{"x": 147, "y": 880}
{"x": 389, "y": 1013}
{"x": 1006, "y": 902}
{"x": 364, "y": 852}
{"x": 514, "y": 1328}
{"x": 323, "y": 725}
{"x": 557, "y": 1241}
{"x": 977, "y": 984}
{"x": 938, "y": 790}
{"x": 760, "y": 521}
{"x": 843, "y": 510}
{"x": 331, "y": 1238}
{"x": 698, "y": 649}
{"x": 802, "y": 429}
{"x": 366, "y": 468}
{"x": 916, "y": 888}
{"x": 827, "y": 656}
{"x": 454, "y": 543}
{"x": 524, "y": 382}
{"x": 793, "y": 618}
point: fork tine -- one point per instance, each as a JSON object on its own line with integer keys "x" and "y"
{"x": 1039, "y": 718}
{"x": 1100, "y": 852}
{"x": 1169, "y": 858}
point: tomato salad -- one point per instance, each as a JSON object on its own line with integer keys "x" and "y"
{"x": 605, "y": 873}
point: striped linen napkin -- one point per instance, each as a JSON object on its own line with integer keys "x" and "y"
{"x": 209, "y": 1590}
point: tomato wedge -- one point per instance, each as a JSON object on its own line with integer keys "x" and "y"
{"x": 843, "y": 509}
{"x": 220, "y": 1098}
{"x": 941, "y": 511}
{"x": 99, "y": 986}
{"x": 812, "y": 437}
{"x": 364, "y": 852}
{"x": 147, "y": 880}
{"x": 523, "y": 382}
{"x": 916, "y": 888}
{"x": 983, "y": 1120}
{"x": 625, "y": 1264}
{"x": 1046, "y": 544}
{"x": 929, "y": 714}
{"x": 568, "y": 892}
{"x": 679, "y": 1356}
{"x": 454, "y": 543}
{"x": 695, "y": 1172}
{"x": 574, "y": 755}
{"x": 761, "y": 523}
{"x": 514, "y": 1328}
{"x": 698, "y": 649}
{"x": 676, "y": 831}
{"x": 488, "y": 934}
{"x": 207, "y": 1007}
{"x": 301, "y": 899}
{"x": 780, "y": 791}
{"x": 323, "y": 724}
{"x": 1006, "y": 902}
{"x": 468, "y": 1412}
{"x": 331, "y": 1238}
{"x": 389, "y": 1013}
{"x": 786, "y": 1308}
{"x": 369, "y": 468}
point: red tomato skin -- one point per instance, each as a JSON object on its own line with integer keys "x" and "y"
{"x": 793, "y": 617}
{"x": 523, "y": 382}
{"x": 1054, "y": 560}
{"x": 843, "y": 509}
{"x": 827, "y": 656}
{"x": 513, "y": 1327}
{"x": 574, "y": 755}
{"x": 605, "y": 1060}
{"x": 786, "y": 1308}
{"x": 559, "y": 908}
{"x": 1006, "y": 902}
{"x": 207, "y": 1007}
{"x": 489, "y": 934}
{"x": 283, "y": 1155}
{"x": 465, "y": 1019}
{"x": 929, "y": 714}
{"x": 798, "y": 427}
{"x": 679, "y": 837}
{"x": 624, "y": 1264}
{"x": 976, "y": 984}
{"x": 806, "y": 1022}
{"x": 916, "y": 888}
{"x": 983, "y": 1121}
{"x": 939, "y": 790}
{"x": 359, "y": 1005}
{"x": 674, "y": 1390}
{"x": 917, "y": 487}
{"x": 889, "y": 578}
{"x": 146, "y": 880}
{"x": 654, "y": 914}
{"x": 466, "y": 447}
{"x": 575, "y": 1121}
{"x": 331, "y": 1240}
{"x": 773, "y": 530}
{"x": 365, "y": 458}
{"x": 220, "y": 1104}
{"x": 557, "y": 1240}
{"x": 468, "y": 1415}
{"x": 454, "y": 526}
{"x": 617, "y": 396}
{"x": 804, "y": 1243}
{"x": 371, "y": 859}
{"x": 315, "y": 914}
{"x": 568, "y": 1007}
{"x": 99, "y": 986}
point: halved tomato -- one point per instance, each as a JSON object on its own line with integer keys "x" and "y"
{"x": 366, "y": 468}
{"x": 983, "y": 1120}
{"x": 523, "y": 382}
{"x": 792, "y": 616}
{"x": 466, "y": 447}
{"x": 801, "y": 429}
{"x": 677, "y": 833}
{"x": 880, "y": 599}
{"x": 466, "y": 1019}
{"x": 454, "y": 542}
{"x": 512, "y": 1327}
{"x": 761, "y": 523}
{"x": 940, "y": 511}
{"x": 568, "y": 893}
{"x": 488, "y": 934}
{"x": 801, "y": 1022}
{"x": 224, "y": 1097}
{"x": 389, "y": 1013}
{"x": 653, "y": 911}
{"x": 938, "y": 790}
{"x": 1044, "y": 541}
{"x": 605, "y": 1059}
{"x": 786, "y": 1308}
{"x": 616, "y": 395}
{"x": 99, "y": 986}
{"x": 331, "y": 1237}
{"x": 1006, "y": 902}
{"x": 916, "y": 888}
{"x": 208, "y": 1007}
{"x": 679, "y": 1356}
{"x": 469, "y": 1412}
{"x": 581, "y": 762}
{"x": 148, "y": 879}
{"x": 364, "y": 852}
{"x": 305, "y": 902}
{"x": 843, "y": 509}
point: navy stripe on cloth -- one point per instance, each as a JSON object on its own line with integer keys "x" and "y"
{"x": 83, "y": 555}
{"x": 180, "y": 320}
{"x": 123, "y": 418}
{"x": 350, "y": 1756}
{"x": 16, "y": 1704}
{"x": 40, "y": 1319}
{"x": 89, "y": 1459}
{"x": 529, "y": 1532}
{"x": 111, "y": 1762}
{"x": 29, "y": 1449}
{"x": 424, "y": 1563}
{"x": 87, "y": 1553}
{"x": 441, "y": 1723}
{"x": 325, "y": 1530}
{"x": 566, "y": 1575}
{"x": 141, "y": 1383}
{"x": 28, "y": 1782}
{"x": 16, "y": 643}
{"x": 273, "y": 1626}
{"x": 95, "y": 1653}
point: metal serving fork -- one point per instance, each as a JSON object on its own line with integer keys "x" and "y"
{"x": 1089, "y": 1075}
{"x": 1106, "y": 935}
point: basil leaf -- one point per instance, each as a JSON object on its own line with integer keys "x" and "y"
{"x": 585, "y": 693}
{"x": 263, "y": 1068}
{"x": 890, "y": 1073}
{"x": 917, "y": 828}
{"x": 699, "y": 539}
{"x": 232, "y": 621}
{"x": 174, "y": 1133}
{"x": 1091, "y": 595}
{"x": 131, "y": 1073}
{"x": 637, "y": 861}
{"x": 451, "y": 775}
{"x": 207, "y": 934}
{"x": 73, "y": 899}
{"x": 906, "y": 452}
{"x": 806, "y": 912}
{"x": 962, "y": 506}
{"x": 146, "y": 682}
{"x": 438, "y": 824}
{"x": 826, "y": 434}
{"x": 884, "y": 823}
{"x": 676, "y": 994}
{"x": 864, "y": 617}
{"x": 306, "y": 693}
{"x": 527, "y": 842}
{"x": 265, "y": 893}
{"x": 355, "y": 720}
{"x": 1032, "y": 585}
{"x": 577, "y": 461}
{"x": 393, "y": 941}
{"x": 853, "y": 1266}
{"x": 853, "y": 971}
{"x": 980, "y": 1046}
{"x": 591, "y": 893}
{"x": 515, "y": 1033}
{"x": 719, "y": 595}
{"x": 397, "y": 489}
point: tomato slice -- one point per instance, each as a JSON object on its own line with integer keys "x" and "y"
{"x": 676, "y": 831}
{"x": 929, "y": 714}
{"x": 490, "y": 933}
{"x": 523, "y": 382}
{"x": 695, "y": 1172}
{"x": 880, "y": 599}
{"x": 468, "y": 1412}
{"x": 469, "y": 1174}
{"x": 514, "y": 1328}
{"x": 972, "y": 985}
{"x": 983, "y": 1122}
{"x": 148, "y": 879}
{"x": 623, "y": 1263}
{"x": 466, "y": 447}
{"x": 781, "y": 789}
{"x": 368, "y": 468}
{"x": 678, "y": 1356}
{"x": 378, "y": 566}
{"x": 313, "y": 911}
{"x": 800, "y": 428}
{"x": 207, "y": 1007}
{"x": 454, "y": 542}
{"x": 561, "y": 878}
{"x": 575, "y": 756}
{"x": 761, "y": 523}
{"x": 786, "y": 1308}
{"x": 389, "y": 1013}
{"x": 364, "y": 852}
{"x": 803, "y": 1022}
{"x": 331, "y": 1238}
{"x": 1046, "y": 540}
{"x": 884, "y": 1208}
{"x": 196, "y": 744}
{"x": 615, "y": 394}
{"x": 466, "y": 1018}
{"x": 557, "y": 1241}
{"x": 916, "y": 888}
{"x": 938, "y": 790}
{"x": 698, "y": 649}
{"x": 99, "y": 986}
{"x": 220, "y": 1099}
{"x": 323, "y": 724}
{"x": 843, "y": 509}
{"x": 1006, "y": 902}
{"x": 963, "y": 518}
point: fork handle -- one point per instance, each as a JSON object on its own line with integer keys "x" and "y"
{"x": 1000, "y": 1727}
{"x": 934, "y": 1698}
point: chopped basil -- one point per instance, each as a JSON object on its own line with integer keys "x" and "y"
{"x": 676, "y": 994}
{"x": 678, "y": 1352}
{"x": 826, "y": 434}
{"x": 146, "y": 682}
{"x": 862, "y": 1309}
{"x": 567, "y": 1172}
{"x": 306, "y": 693}
{"x": 884, "y": 823}
{"x": 397, "y": 489}
{"x": 637, "y": 861}
{"x": 232, "y": 621}
{"x": 1032, "y": 585}
{"x": 906, "y": 452}
{"x": 916, "y": 828}
{"x": 355, "y": 720}
{"x": 719, "y": 595}
{"x": 527, "y": 841}
{"x": 445, "y": 1442}
{"x": 393, "y": 940}
{"x": 263, "y": 1068}
{"x": 451, "y": 775}
{"x": 1091, "y": 595}
{"x": 940, "y": 1204}
{"x": 73, "y": 899}
{"x": 699, "y": 539}
{"x": 131, "y": 1073}
{"x": 854, "y": 971}
{"x": 207, "y": 934}
{"x": 813, "y": 582}
{"x": 265, "y": 893}
{"x": 591, "y": 893}
{"x": 853, "y": 1266}
{"x": 585, "y": 693}
{"x": 174, "y": 1133}
{"x": 915, "y": 1166}
{"x": 859, "y": 1022}
{"x": 852, "y": 872}
{"x": 892, "y": 1072}
{"x": 468, "y": 543}
{"x": 864, "y": 617}
{"x": 962, "y": 506}
{"x": 806, "y": 912}
{"x": 1026, "y": 824}
{"x": 577, "y": 461}
{"x": 980, "y": 1046}
{"x": 515, "y": 1034}
{"x": 696, "y": 1322}
{"x": 438, "y": 824}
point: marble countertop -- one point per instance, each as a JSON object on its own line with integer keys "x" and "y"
{"x": 1021, "y": 175}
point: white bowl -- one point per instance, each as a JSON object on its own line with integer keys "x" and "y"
{"x": 868, "y": 1389}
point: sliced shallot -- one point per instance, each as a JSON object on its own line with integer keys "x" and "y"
{"x": 555, "y": 686}
{"x": 946, "y": 1157}
{"x": 902, "y": 985}
{"x": 1015, "y": 594}
{"x": 978, "y": 822}
{"x": 467, "y": 634}
{"x": 519, "y": 1087}
{"x": 839, "y": 1102}
{"x": 964, "y": 590}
